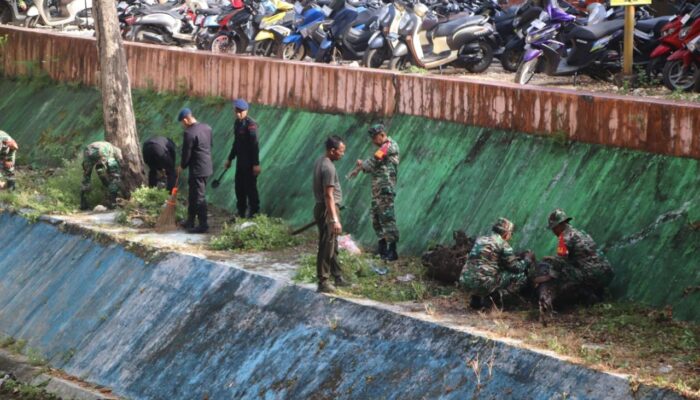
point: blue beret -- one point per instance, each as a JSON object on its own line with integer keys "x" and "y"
{"x": 185, "y": 112}
{"x": 240, "y": 104}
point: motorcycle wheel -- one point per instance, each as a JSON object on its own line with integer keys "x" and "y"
{"x": 677, "y": 77}
{"x": 510, "y": 59}
{"x": 399, "y": 63}
{"x": 485, "y": 59}
{"x": 374, "y": 58}
{"x": 289, "y": 51}
{"x": 526, "y": 71}
{"x": 265, "y": 48}
{"x": 224, "y": 44}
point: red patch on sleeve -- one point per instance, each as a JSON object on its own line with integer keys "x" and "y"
{"x": 562, "y": 250}
{"x": 382, "y": 152}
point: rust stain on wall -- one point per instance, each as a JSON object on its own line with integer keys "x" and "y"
{"x": 652, "y": 125}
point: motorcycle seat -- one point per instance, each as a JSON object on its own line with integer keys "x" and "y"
{"x": 648, "y": 25}
{"x": 447, "y": 28}
{"x": 208, "y": 11}
{"x": 596, "y": 31}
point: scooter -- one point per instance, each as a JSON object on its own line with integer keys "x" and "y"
{"x": 65, "y": 12}
{"x": 348, "y": 36}
{"x": 208, "y": 26}
{"x": 273, "y": 28}
{"x": 515, "y": 41}
{"x": 670, "y": 40}
{"x": 166, "y": 25}
{"x": 466, "y": 42}
{"x": 236, "y": 30}
{"x": 681, "y": 66}
{"x": 307, "y": 36}
{"x": 381, "y": 44}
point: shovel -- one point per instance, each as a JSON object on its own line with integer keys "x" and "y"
{"x": 216, "y": 182}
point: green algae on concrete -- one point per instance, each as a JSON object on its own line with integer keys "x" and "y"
{"x": 642, "y": 208}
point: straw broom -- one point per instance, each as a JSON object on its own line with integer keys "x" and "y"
{"x": 166, "y": 220}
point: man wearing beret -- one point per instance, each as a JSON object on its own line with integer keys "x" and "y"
{"x": 383, "y": 166}
{"x": 196, "y": 156}
{"x": 246, "y": 150}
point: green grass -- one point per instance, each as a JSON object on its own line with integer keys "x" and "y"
{"x": 266, "y": 234}
{"x": 14, "y": 390}
{"x": 52, "y": 190}
{"x": 360, "y": 271}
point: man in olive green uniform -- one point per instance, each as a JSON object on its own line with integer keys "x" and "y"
{"x": 106, "y": 159}
{"x": 578, "y": 261}
{"x": 8, "y": 153}
{"x": 492, "y": 268}
{"x": 383, "y": 166}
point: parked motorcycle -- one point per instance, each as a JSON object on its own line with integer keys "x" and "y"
{"x": 514, "y": 39}
{"x": 681, "y": 66}
{"x": 348, "y": 36}
{"x": 466, "y": 42}
{"x": 169, "y": 24}
{"x": 236, "y": 30}
{"x": 381, "y": 44}
{"x": 273, "y": 28}
{"x": 308, "y": 34}
{"x": 670, "y": 40}
{"x": 48, "y": 13}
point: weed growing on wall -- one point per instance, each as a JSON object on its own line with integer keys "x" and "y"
{"x": 257, "y": 234}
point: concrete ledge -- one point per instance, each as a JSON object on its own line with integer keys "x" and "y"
{"x": 652, "y": 125}
{"x": 185, "y": 328}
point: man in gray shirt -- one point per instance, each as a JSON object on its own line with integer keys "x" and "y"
{"x": 329, "y": 197}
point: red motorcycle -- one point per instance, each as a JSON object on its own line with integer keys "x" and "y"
{"x": 680, "y": 69}
{"x": 670, "y": 39}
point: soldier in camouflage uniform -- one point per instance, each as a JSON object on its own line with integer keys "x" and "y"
{"x": 106, "y": 159}
{"x": 492, "y": 268}
{"x": 578, "y": 262}
{"x": 8, "y": 152}
{"x": 383, "y": 167}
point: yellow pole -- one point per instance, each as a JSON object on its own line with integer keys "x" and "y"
{"x": 629, "y": 40}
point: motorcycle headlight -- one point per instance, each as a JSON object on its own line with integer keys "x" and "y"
{"x": 533, "y": 38}
{"x": 684, "y": 32}
{"x": 694, "y": 44}
{"x": 516, "y": 22}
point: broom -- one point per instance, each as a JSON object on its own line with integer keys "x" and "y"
{"x": 166, "y": 220}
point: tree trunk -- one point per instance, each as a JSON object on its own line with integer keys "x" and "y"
{"x": 117, "y": 107}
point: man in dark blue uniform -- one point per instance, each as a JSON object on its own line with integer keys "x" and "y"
{"x": 159, "y": 155}
{"x": 246, "y": 150}
{"x": 196, "y": 155}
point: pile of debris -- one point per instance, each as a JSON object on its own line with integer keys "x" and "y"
{"x": 444, "y": 263}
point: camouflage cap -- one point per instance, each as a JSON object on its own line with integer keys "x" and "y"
{"x": 557, "y": 217}
{"x": 376, "y": 129}
{"x": 502, "y": 226}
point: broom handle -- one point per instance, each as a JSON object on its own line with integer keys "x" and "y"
{"x": 173, "y": 192}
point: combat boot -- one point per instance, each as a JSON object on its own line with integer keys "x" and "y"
{"x": 83, "y": 201}
{"x": 475, "y": 303}
{"x": 325, "y": 287}
{"x": 203, "y": 225}
{"x": 11, "y": 185}
{"x": 381, "y": 248}
{"x": 391, "y": 254}
{"x": 112, "y": 202}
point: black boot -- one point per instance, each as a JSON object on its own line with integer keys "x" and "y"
{"x": 391, "y": 254}
{"x": 112, "y": 202}
{"x": 475, "y": 303}
{"x": 202, "y": 215}
{"x": 83, "y": 201}
{"x": 381, "y": 248}
{"x": 11, "y": 185}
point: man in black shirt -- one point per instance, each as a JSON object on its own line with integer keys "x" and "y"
{"x": 159, "y": 155}
{"x": 196, "y": 155}
{"x": 245, "y": 149}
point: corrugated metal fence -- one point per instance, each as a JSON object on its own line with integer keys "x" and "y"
{"x": 652, "y": 125}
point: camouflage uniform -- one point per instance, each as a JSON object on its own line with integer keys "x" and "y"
{"x": 105, "y": 158}
{"x": 8, "y": 152}
{"x": 492, "y": 266}
{"x": 578, "y": 262}
{"x": 384, "y": 166}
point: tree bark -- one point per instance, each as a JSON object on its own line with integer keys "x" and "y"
{"x": 117, "y": 107}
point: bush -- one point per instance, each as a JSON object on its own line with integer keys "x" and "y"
{"x": 260, "y": 233}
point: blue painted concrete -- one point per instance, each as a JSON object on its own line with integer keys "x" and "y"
{"x": 183, "y": 328}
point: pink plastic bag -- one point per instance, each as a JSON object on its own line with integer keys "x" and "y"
{"x": 346, "y": 242}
